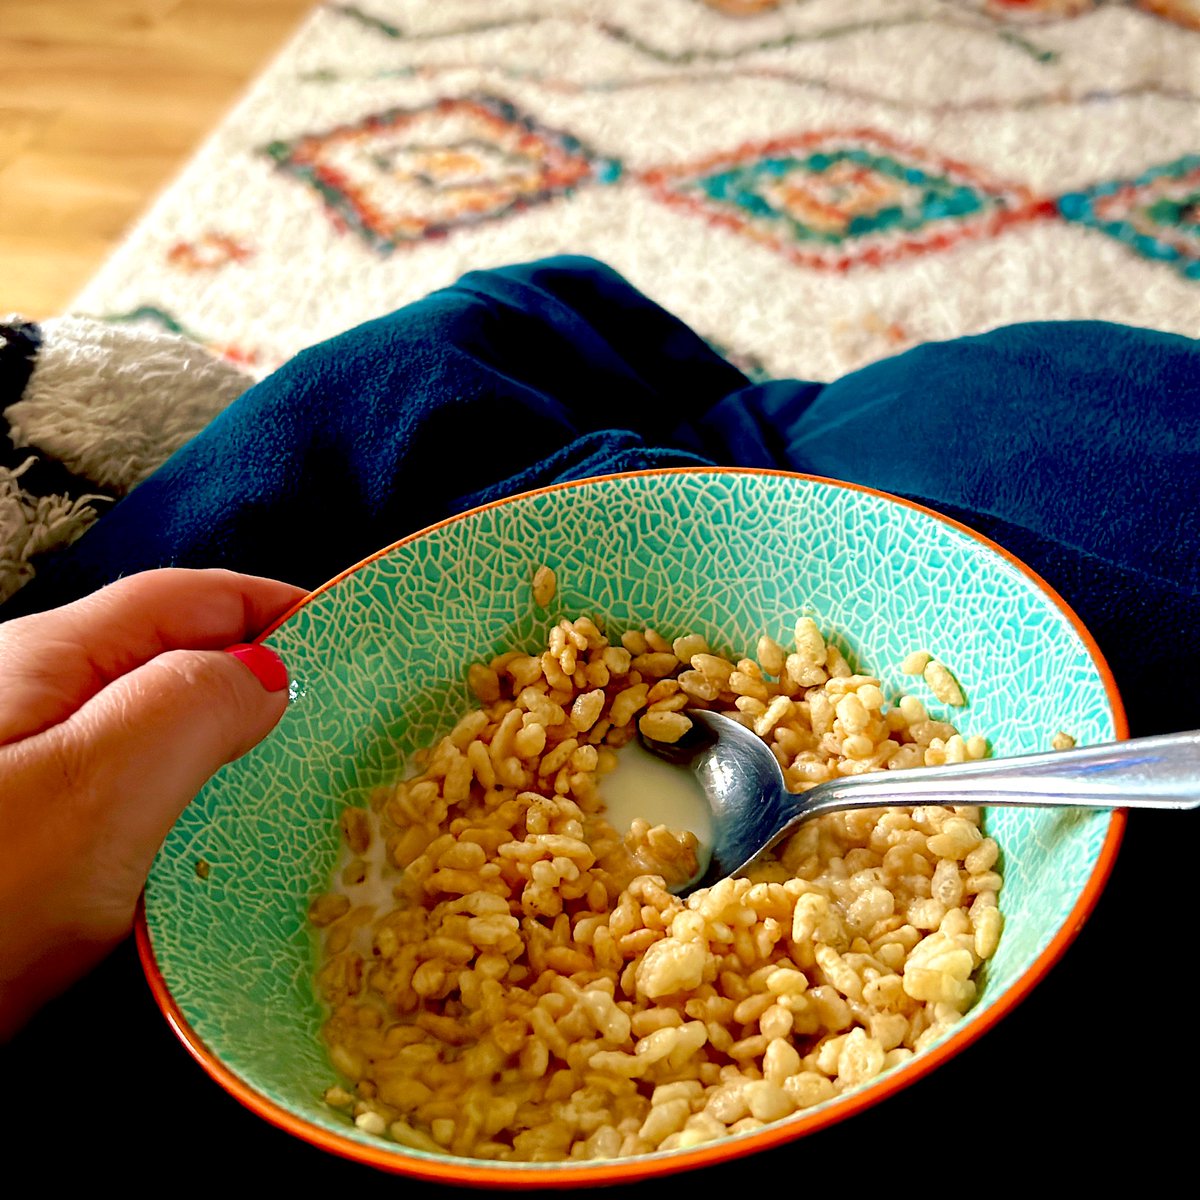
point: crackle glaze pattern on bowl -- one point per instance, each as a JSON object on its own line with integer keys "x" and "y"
{"x": 378, "y": 662}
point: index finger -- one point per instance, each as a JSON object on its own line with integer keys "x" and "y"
{"x": 52, "y": 662}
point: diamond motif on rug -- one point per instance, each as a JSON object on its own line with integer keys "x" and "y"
{"x": 1157, "y": 214}
{"x": 406, "y": 175}
{"x": 842, "y": 199}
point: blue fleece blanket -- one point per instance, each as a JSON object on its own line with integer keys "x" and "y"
{"x": 1074, "y": 444}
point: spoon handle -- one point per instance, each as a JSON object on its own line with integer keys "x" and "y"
{"x": 1153, "y": 772}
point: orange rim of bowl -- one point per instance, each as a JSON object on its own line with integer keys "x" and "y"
{"x": 475, "y": 1173}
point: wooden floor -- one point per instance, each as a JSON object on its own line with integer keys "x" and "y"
{"x": 101, "y": 102}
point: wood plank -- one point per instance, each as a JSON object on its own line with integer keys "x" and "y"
{"x": 101, "y": 103}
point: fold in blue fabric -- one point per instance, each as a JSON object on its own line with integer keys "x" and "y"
{"x": 1074, "y": 444}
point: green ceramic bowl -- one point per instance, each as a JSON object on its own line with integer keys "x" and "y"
{"x": 377, "y": 660}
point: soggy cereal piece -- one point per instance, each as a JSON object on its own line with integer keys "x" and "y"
{"x": 943, "y": 685}
{"x": 665, "y": 727}
{"x": 916, "y": 662}
{"x": 586, "y": 709}
{"x": 545, "y": 584}
{"x": 628, "y": 702}
{"x": 356, "y": 829}
{"x": 836, "y": 664}
{"x": 713, "y": 668}
{"x": 656, "y": 642}
{"x": 634, "y": 642}
{"x": 338, "y": 1097}
{"x": 327, "y": 908}
{"x": 698, "y": 686}
{"x": 771, "y": 655}
{"x": 484, "y": 682}
{"x": 988, "y": 926}
{"x": 670, "y": 966}
{"x": 371, "y": 1122}
{"x": 687, "y": 647}
{"x": 809, "y": 641}
{"x": 1062, "y": 741}
{"x": 655, "y": 664}
{"x": 977, "y": 747}
{"x": 354, "y": 873}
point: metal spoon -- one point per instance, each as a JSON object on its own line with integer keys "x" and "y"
{"x": 752, "y": 808}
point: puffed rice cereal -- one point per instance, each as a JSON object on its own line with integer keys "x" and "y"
{"x": 532, "y": 991}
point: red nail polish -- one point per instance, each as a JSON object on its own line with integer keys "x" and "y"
{"x": 267, "y": 666}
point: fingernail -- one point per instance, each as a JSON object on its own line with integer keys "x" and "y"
{"x": 267, "y": 666}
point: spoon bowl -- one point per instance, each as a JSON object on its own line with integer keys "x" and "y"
{"x": 753, "y": 810}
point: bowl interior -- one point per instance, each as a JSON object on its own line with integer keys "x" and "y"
{"x": 378, "y": 662}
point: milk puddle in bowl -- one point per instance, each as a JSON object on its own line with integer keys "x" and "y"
{"x": 659, "y": 792}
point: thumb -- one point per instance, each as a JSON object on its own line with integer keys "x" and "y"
{"x": 139, "y": 750}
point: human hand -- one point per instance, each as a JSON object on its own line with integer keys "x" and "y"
{"x": 114, "y": 711}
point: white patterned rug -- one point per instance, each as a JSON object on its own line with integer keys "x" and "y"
{"x": 811, "y": 184}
